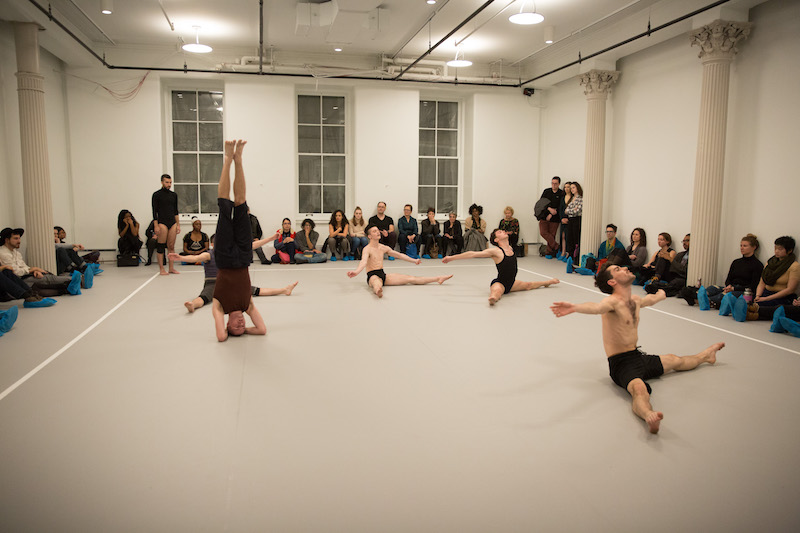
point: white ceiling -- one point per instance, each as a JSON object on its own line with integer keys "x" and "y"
{"x": 138, "y": 33}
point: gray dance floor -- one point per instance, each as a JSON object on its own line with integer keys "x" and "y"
{"x": 426, "y": 411}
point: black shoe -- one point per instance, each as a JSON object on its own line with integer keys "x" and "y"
{"x": 266, "y": 262}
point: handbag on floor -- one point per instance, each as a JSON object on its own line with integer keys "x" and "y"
{"x": 128, "y": 260}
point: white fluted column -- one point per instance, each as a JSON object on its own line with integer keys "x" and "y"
{"x": 33, "y": 143}
{"x": 717, "y": 49}
{"x": 598, "y": 85}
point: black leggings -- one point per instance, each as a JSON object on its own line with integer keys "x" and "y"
{"x": 574, "y": 238}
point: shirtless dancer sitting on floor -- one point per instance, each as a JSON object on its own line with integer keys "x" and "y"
{"x": 506, "y": 263}
{"x": 628, "y": 366}
{"x": 372, "y": 259}
{"x": 210, "y": 267}
{"x": 234, "y": 253}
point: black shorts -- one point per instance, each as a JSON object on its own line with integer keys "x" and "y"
{"x": 207, "y": 294}
{"x": 233, "y": 244}
{"x": 380, "y": 273}
{"x": 625, "y": 367}
{"x": 506, "y": 287}
{"x": 168, "y": 222}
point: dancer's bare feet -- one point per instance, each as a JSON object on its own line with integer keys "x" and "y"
{"x": 289, "y": 288}
{"x": 163, "y": 272}
{"x": 379, "y": 292}
{"x": 230, "y": 146}
{"x": 551, "y": 282}
{"x": 442, "y": 279}
{"x": 709, "y": 355}
{"x": 239, "y": 148}
{"x": 653, "y": 420}
{"x": 189, "y": 306}
{"x": 173, "y": 271}
{"x": 492, "y": 300}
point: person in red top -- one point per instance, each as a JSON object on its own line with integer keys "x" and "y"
{"x": 233, "y": 252}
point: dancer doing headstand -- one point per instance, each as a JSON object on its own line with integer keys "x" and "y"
{"x": 628, "y": 366}
{"x": 506, "y": 263}
{"x": 233, "y": 253}
{"x": 210, "y": 268}
{"x": 372, "y": 259}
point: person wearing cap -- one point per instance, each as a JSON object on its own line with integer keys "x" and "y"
{"x": 38, "y": 278}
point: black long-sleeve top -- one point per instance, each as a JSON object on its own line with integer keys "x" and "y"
{"x": 744, "y": 272}
{"x": 165, "y": 205}
{"x": 430, "y": 229}
{"x": 454, "y": 231}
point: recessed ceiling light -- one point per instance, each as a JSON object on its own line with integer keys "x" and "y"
{"x": 431, "y": 2}
{"x": 337, "y": 49}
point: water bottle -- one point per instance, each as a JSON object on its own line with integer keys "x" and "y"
{"x": 748, "y": 295}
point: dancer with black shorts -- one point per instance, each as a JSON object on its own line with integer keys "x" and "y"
{"x": 628, "y": 366}
{"x": 165, "y": 222}
{"x": 372, "y": 260}
{"x": 210, "y": 282}
{"x": 233, "y": 253}
{"x": 506, "y": 263}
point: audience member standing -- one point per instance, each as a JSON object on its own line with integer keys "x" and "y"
{"x": 165, "y": 222}
{"x": 574, "y": 213}
{"x": 549, "y": 221}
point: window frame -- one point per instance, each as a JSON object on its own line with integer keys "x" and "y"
{"x": 459, "y": 186}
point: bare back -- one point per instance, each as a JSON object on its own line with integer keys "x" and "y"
{"x": 621, "y": 325}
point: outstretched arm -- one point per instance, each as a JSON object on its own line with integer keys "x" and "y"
{"x": 199, "y": 258}
{"x": 469, "y": 255}
{"x": 259, "y": 327}
{"x": 588, "y": 308}
{"x": 361, "y": 264}
{"x": 404, "y": 257}
{"x": 219, "y": 320}
{"x": 652, "y": 299}
{"x": 261, "y": 242}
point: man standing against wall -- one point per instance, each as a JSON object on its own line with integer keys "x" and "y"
{"x": 548, "y": 220}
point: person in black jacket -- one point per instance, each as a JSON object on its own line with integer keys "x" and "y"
{"x": 255, "y": 229}
{"x": 548, "y": 220}
{"x": 452, "y": 236}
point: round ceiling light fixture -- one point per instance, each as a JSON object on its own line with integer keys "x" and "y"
{"x": 526, "y": 17}
{"x": 196, "y": 47}
{"x": 459, "y": 63}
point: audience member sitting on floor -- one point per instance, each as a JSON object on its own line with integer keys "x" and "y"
{"x": 338, "y": 231}
{"x": 195, "y": 242}
{"x": 659, "y": 265}
{"x": 610, "y": 243}
{"x": 744, "y": 273}
{"x": 358, "y": 237}
{"x": 306, "y": 245}
{"x": 257, "y": 233}
{"x": 67, "y": 258}
{"x": 429, "y": 238}
{"x": 637, "y": 250}
{"x": 13, "y": 288}
{"x": 386, "y": 226}
{"x": 452, "y": 239}
{"x": 780, "y": 277}
{"x": 285, "y": 244}
{"x": 128, "y": 229}
{"x": 475, "y": 230}
{"x": 61, "y": 235}
{"x": 510, "y": 225}
{"x": 407, "y": 229}
{"x": 787, "y": 311}
{"x": 45, "y": 283}
{"x": 678, "y": 269}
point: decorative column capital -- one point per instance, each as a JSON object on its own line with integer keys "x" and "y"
{"x": 598, "y": 82}
{"x": 718, "y": 39}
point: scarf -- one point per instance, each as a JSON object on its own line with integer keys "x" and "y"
{"x": 776, "y": 268}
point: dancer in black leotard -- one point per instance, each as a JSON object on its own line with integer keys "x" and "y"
{"x": 506, "y": 262}
{"x": 165, "y": 222}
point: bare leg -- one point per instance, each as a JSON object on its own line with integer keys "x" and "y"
{"x": 496, "y": 292}
{"x": 197, "y": 303}
{"x": 287, "y": 290}
{"x": 163, "y": 234}
{"x": 530, "y": 285}
{"x": 403, "y": 279}
{"x": 224, "y": 187}
{"x": 239, "y": 185}
{"x": 377, "y": 285}
{"x": 690, "y": 362}
{"x": 641, "y": 405}
{"x": 173, "y": 233}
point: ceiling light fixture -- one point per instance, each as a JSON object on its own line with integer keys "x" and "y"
{"x": 548, "y": 34}
{"x": 337, "y": 49}
{"x": 196, "y": 47}
{"x": 526, "y": 17}
{"x": 431, "y": 2}
{"x": 456, "y": 62}
{"x": 106, "y": 7}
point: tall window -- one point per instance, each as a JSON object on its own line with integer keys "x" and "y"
{"x": 438, "y": 155}
{"x": 197, "y": 149}
{"x": 321, "y": 153}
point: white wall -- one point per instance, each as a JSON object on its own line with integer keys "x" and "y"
{"x": 651, "y": 145}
